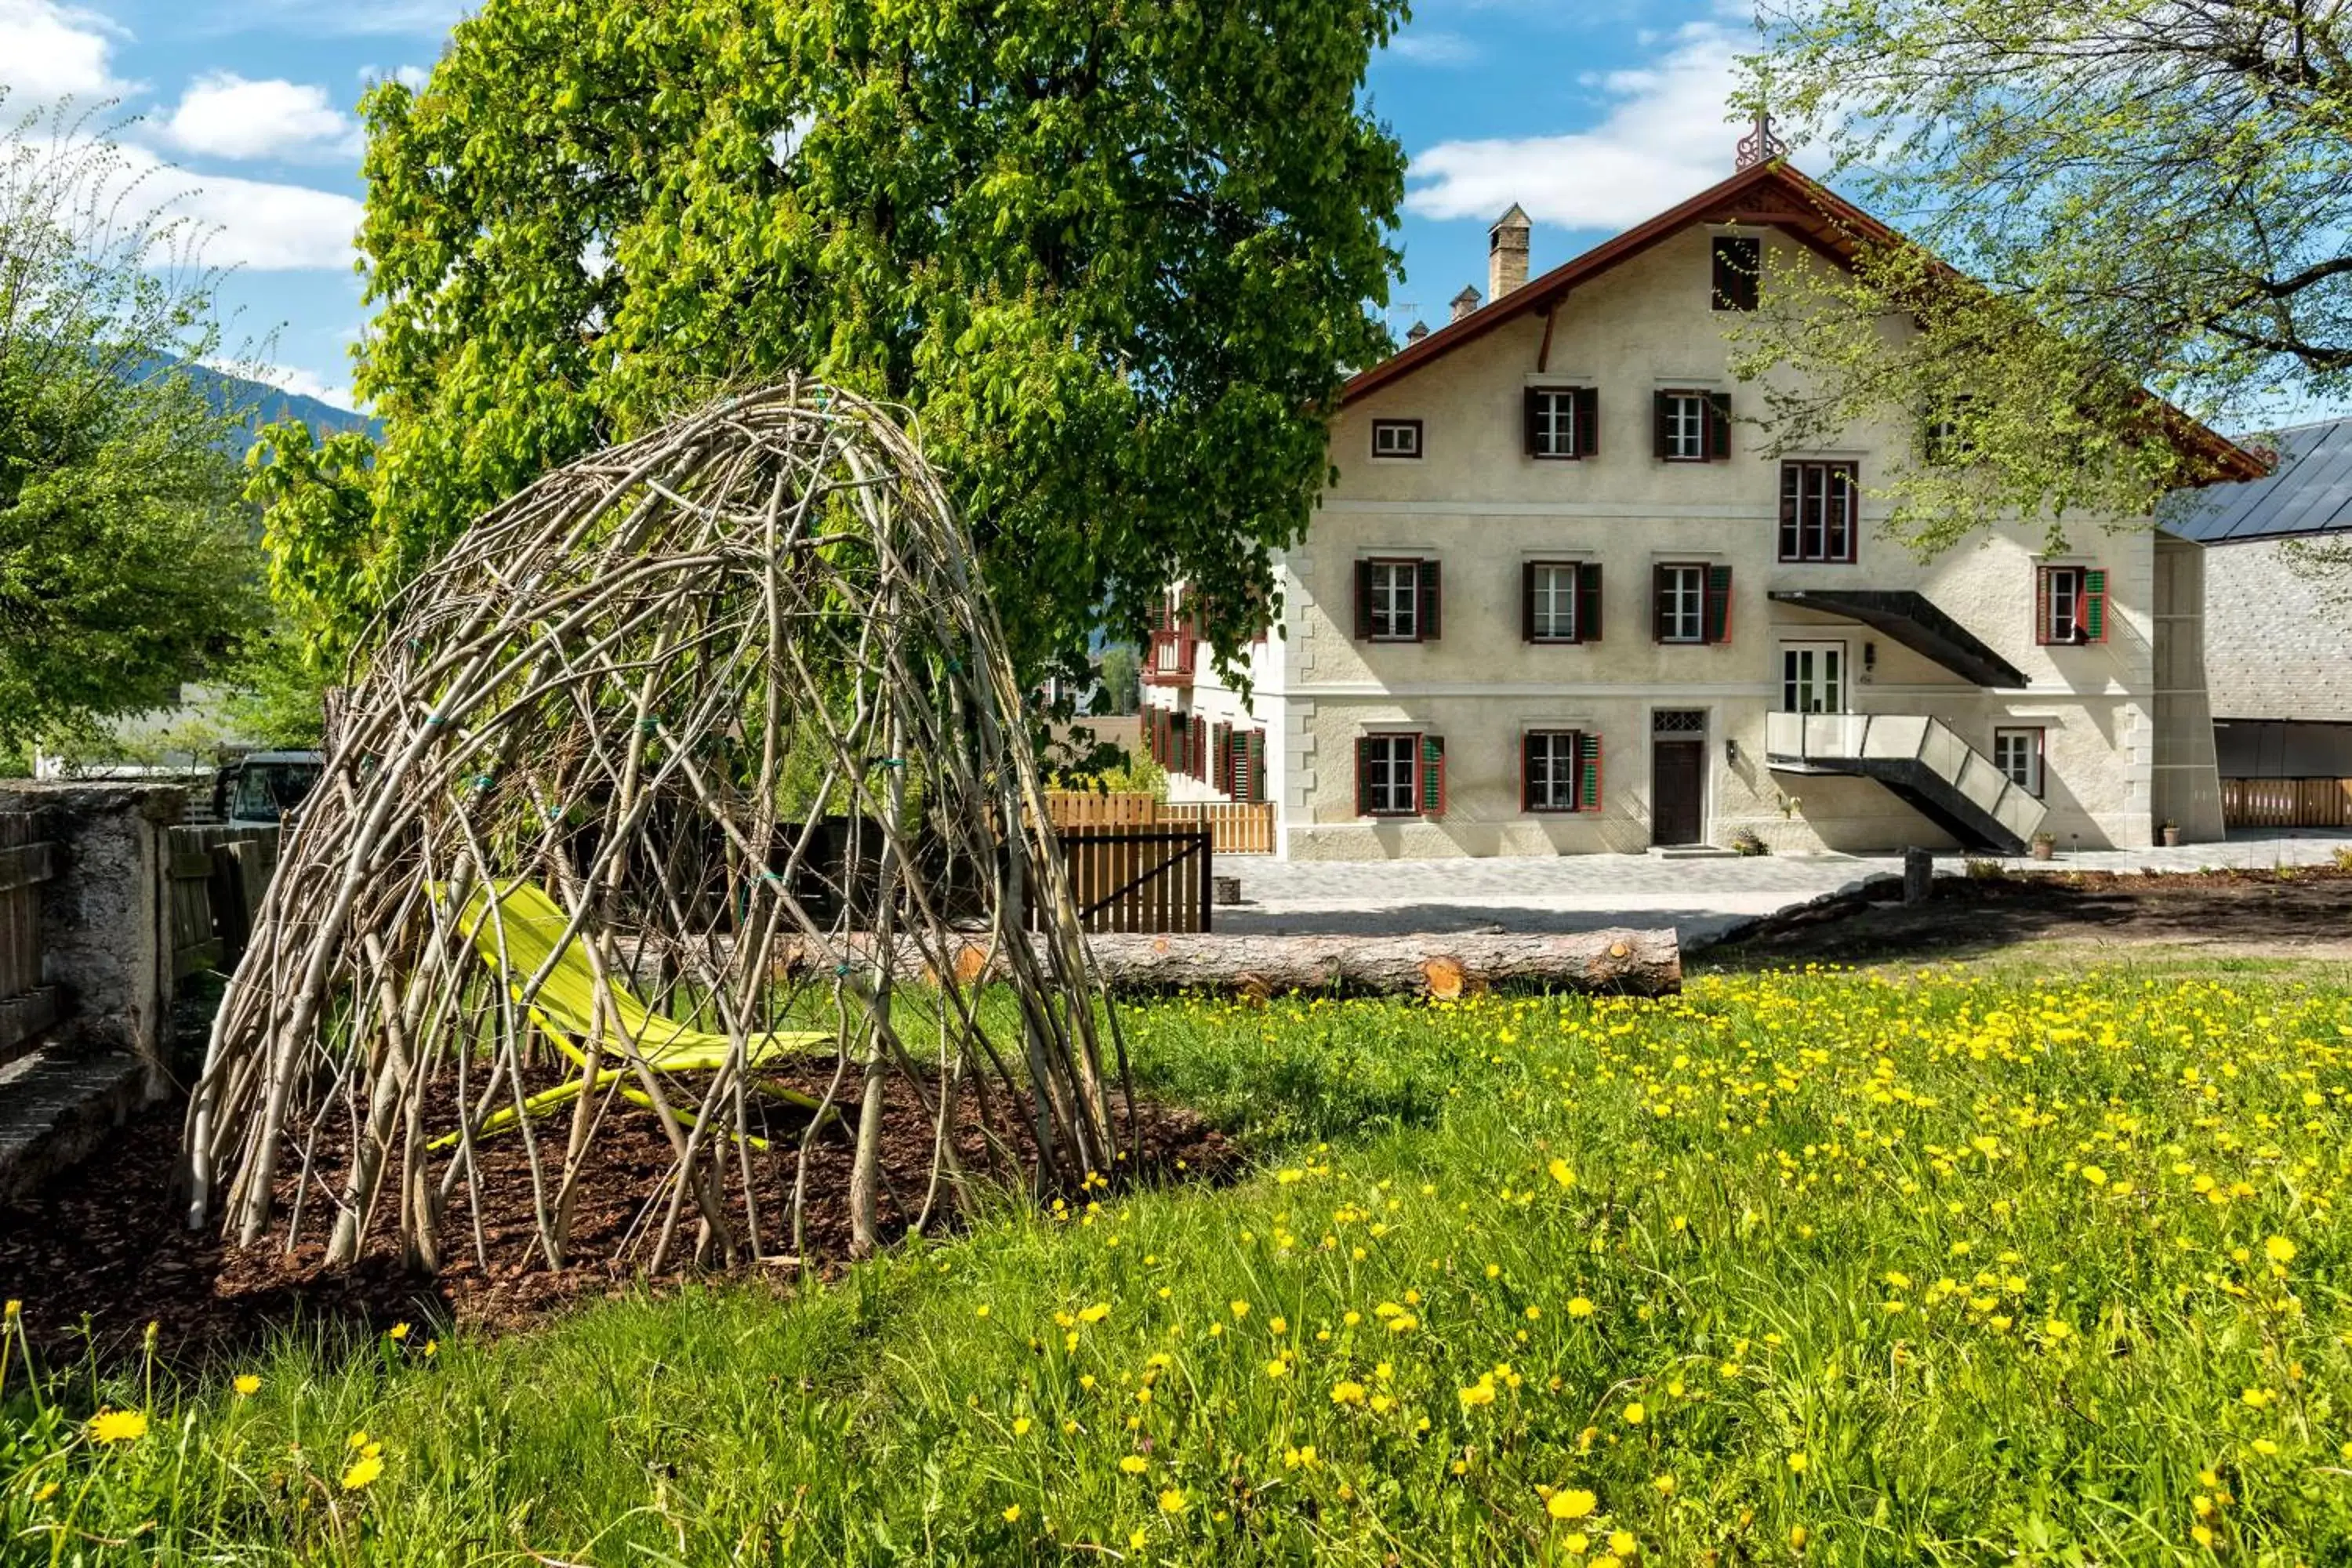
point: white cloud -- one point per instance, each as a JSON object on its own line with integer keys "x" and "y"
{"x": 1663, "y": 137}
{"x": 226, "y": 116}
{"x": 257, "y": 224}
{"x": 1434, "y": 49}
{"x": 264, "y": 227}
{"x": 340, "y": 18}
{"x": 412, "y": 77}
{"x": 49, "y": 51}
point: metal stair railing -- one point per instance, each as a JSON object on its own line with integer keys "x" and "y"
{"x": 1815, "y": 738}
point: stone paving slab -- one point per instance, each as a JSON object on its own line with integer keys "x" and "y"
{"x": 1703, "y": 900}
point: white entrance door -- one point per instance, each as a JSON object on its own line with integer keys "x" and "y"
{"x": 1812, "y": 677}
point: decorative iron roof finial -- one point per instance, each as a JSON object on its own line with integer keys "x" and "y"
{"x": 1761, "y": 144}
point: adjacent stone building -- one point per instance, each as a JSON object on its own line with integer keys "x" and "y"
{"x": 2278, "y": 654}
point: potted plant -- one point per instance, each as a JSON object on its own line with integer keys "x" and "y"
{"x": 2172, "y": 831}
{"x": 2044, "y": 845}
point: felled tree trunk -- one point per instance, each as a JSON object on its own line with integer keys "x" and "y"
{"x": 1443, "y": 967}
{"x": 1439, "y": 966}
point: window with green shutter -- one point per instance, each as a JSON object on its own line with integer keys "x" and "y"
{"x": 1588, "y": 772}
{"x": 1432, "y": 775}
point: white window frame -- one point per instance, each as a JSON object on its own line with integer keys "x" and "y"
{"x": 2031, "y": 738}
{"x": 1688, "y": 606}
{"x": 1386, "y": 577}
{"x": 1391, "y": 755}
{"x": 1686, "y": 415}
{"x": 1795, "y": 688}
{"x": 1555, "y": 422}
{"x": 1409, "y": 451}
{"x": 1558, "y": 790}
{"x": 2068, "y": 586}
{"x": 1556, "y": 601}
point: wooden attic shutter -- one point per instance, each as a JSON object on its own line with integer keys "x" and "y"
{"x": 1588, "y": 602}
{"x": 1717, "y": 625}
{"x": 1432, "y": 775}
{"x": 1363, "y": 601}
{"x": 1425, "y": 624}
{"x": 1588, "y": 772}
{"x": 1588, "y": 420}
{"x": 2093, "y": 615}
{"x": 1718, "y": 426}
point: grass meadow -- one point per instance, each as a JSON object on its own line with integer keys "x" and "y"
{"x": 1799, "y": 1268}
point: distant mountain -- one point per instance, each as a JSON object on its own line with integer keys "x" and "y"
{"x": 260, "y": 404}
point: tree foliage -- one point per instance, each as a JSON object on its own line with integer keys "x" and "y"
{"x": 2150, "y": 195}
{"x": 1113, "y": 254}
{"x": 127, "y": 565}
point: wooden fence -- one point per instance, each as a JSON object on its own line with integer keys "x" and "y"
{"x": 1238, "y": 828}
{"x": 214, "y": 875}
{"x": 2286, "y": 803}
{"x": 27, "y": 1006}
{"x": 1150, "y": 880}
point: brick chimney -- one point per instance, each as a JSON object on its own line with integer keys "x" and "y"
{"x": 1465, "y": 303}
{"x": 1417, "y": 331}
{"x": 1506, "y": 252}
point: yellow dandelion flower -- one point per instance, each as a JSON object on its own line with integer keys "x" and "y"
{"x": 2279, "y": 1250}
{"x": 118, "y": 1427}
{"x": 1580, "y": 1308}
{"x": 1134, "y": 1463}
{"x": 1636, "y": 1415}
{"x": 363, "y": 1472}
{"x": 1012, "y": 1513}
{"x": 1571, "y": 1503}
{"x": 1021, "y": 1426}
{"x": 1349, "y": 1392}
{"x": 1797, "y": 1462}
{"x": 246, "y": 1386}
{"x": 1095, "y": 1313}
{"x": 1172, "y": 1501}
{"x": 1622, "y": 1542}
{"x": 399, "y": 1330}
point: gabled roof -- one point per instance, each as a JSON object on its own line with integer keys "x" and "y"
{"x": 2311, "y": 492}
{"x": 1769, "y": 194}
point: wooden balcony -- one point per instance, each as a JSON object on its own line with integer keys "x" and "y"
{"x": 1169, "y": 660}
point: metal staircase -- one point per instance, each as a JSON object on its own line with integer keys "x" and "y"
{"x": 1922, "y": 761}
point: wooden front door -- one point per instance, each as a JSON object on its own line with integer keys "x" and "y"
{"x": 1676, "y": 786}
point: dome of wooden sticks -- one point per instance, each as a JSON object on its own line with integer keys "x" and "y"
{"x": 692, "y": 782}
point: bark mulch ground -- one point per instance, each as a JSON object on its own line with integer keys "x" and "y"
{"x": 2298, "y": 912}
{"x": 102, "y": 1251}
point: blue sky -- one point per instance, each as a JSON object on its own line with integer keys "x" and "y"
{"x": 1593, "y": 114}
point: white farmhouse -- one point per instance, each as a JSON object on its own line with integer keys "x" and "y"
{"x": 1557, "y": 601}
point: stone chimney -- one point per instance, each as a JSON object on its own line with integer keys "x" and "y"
{"x": 1465, "y": 303}
{"x": 1417, "y": 331}
{"x": 1506, "y": 252}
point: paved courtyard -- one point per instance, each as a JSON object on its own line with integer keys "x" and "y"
{"x": 1703, "y": 900}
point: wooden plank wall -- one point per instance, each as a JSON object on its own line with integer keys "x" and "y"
{"x": 1152, "y": 880}
{"x": 214, "y": 875}
{"x": 1240, "y": 827}
{"x": 2286, "y": 803}
{"x": 27, "y": 1006}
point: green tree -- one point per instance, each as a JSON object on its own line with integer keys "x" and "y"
{"x": 1120, "y": 672}
{"x": 2153, "y": 197}
{"x": 1113, "y": 255}
{"x": 127, "y": 565}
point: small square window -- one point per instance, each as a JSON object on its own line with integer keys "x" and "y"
{"x": 1396, "y": 438}
{"x": 1739, "y": 266}
{"x": 1682, "y": 427}
{"x": 2018, "y": 754}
